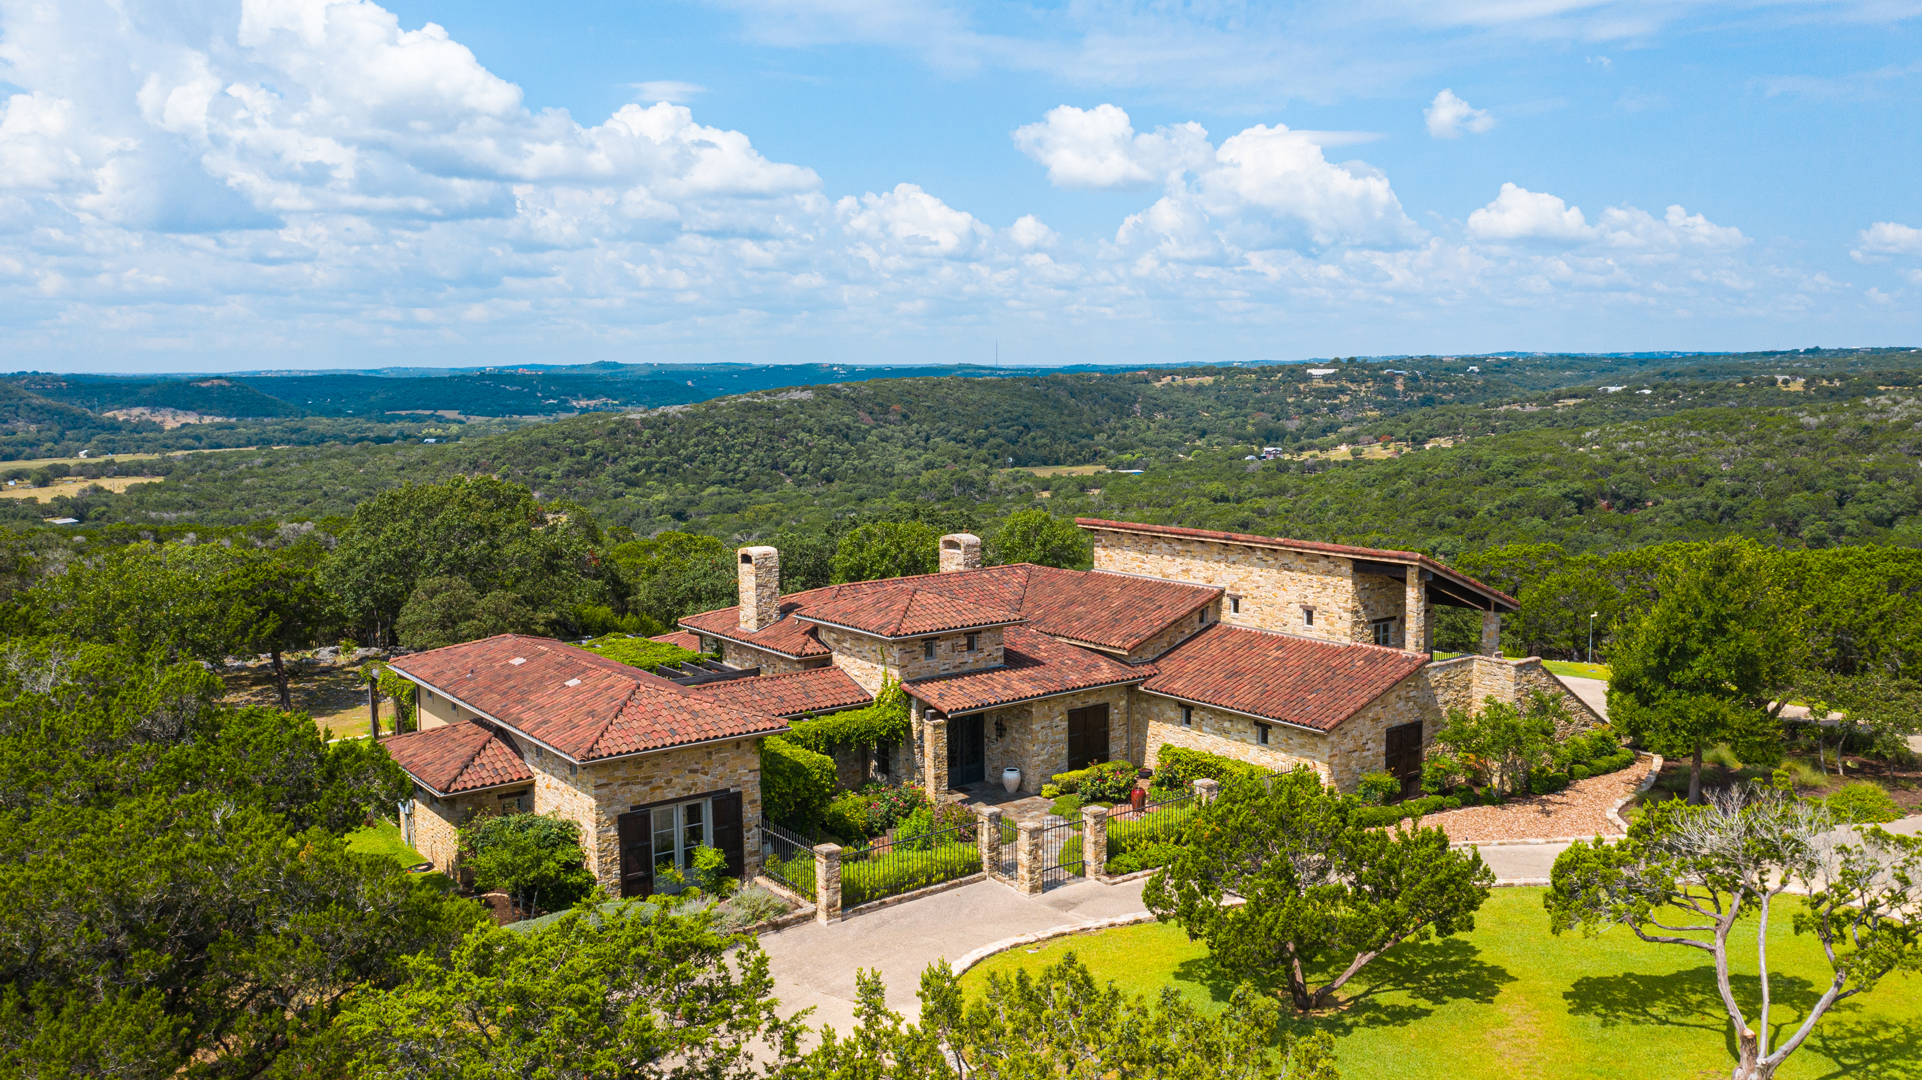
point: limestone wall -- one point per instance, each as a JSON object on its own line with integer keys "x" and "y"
{"x": 870, "y": 660}
{"x": 770, "y": 663}
{"x": 1230, "y": 735}
{"x": 1359, "y": 745}
{"x": 618, "y": 786}
{"x": 1183, "y": 628}
{"x": 1379, "y": 597}
{"x": 436, "y": 829}
{"x": 1273, "y": 585}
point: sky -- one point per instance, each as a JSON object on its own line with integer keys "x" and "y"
{"x": 203, "y": 185}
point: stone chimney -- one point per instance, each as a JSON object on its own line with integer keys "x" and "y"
{"x": 760, "y": 578}
{"x": 960, "y": 551}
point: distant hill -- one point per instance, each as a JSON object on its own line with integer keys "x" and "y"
{"x": 492, "y": 394}
{"x": 216, "y": 396}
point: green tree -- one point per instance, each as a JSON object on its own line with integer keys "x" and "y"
{"x": 193, "y": 601}
{"x": 1689, "y": 875}
{"x": 1714, "y": 660}
{"x": 1320, "y": 888}
{"x": 676, "y": 574}
{"x": 448, "y": 610}
{"x": 534, "y": 858}
{"x": 615, "y": 992}
{"x": 489, "y": 533}
{"x": 1501, "y": 743}
{"x": 1036, "y": 536}
{"x": 288, "y": 610}
{"x": 886, "y": 549}
{"x": 181, "y": 899}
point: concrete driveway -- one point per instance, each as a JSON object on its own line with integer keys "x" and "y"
{"x": 814, "y": 965}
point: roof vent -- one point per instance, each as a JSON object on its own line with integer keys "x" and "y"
{"x": 572, "y": 682}
{"x": 518, "y": 661}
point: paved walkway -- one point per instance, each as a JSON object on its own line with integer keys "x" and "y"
{"x": 1524, "y": 862}
{"x": 1593, "y": 692}
{"x": 815, "y": 964}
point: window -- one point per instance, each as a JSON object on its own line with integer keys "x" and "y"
{"x": 974, "y": 642}
{"x": 883, "y": 757}
{"x": 1261, "y": 734}
{"x": 678, "y": 831}
{"x": 1234, "y": 604}
{"x": 1202, "y": 616}
{"x": 1307, "y": 616}
{"x": 927, "y": 649}
{"x": 1187, "y": 716}
{"x": 1384, "y": 631}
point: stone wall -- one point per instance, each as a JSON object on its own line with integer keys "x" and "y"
{"x": 620, "y": 785}
{"x": 870, "y": 661}
{"x": 1273, "y": 585}
{"x": 1181, "y": 630}
{"x": 1379, "y": 597}
{"x": 770, "y": 663}
{"x": 436, "y": 829}
{"x": 1531, "y": 676}
{"x": 1227, "y": 734}
{"x": 1359, "y": 744}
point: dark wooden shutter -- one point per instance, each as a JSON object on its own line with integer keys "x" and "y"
{"x": 1404, "y": 750}
{"x": 637, "y": 853}
{"x": 728, "y": 832}
{"x": 1087, "y": 736}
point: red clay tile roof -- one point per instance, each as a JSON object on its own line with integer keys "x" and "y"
{"x": 796, "y": 693}
{"x": 584, "y": 705}
{"x": 1295, "y": 680}
{"x": 902, "y": 610}
{"x": 459, "y": 757}
{"x": 690, "y": 642}
{"x": 1112, "y": 611}
{"x": 1036, "y": 666}
{"x": 1344, "y": 550}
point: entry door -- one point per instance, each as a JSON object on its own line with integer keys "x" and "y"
{"x": 967, "y": 751}
{"x": 1404, "y": 756}
{"x": 1087, "y": 736}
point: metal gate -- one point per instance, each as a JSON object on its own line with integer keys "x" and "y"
{"x": 1061, "y": 855}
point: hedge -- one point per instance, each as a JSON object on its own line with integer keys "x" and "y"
{"x": 882, "y": 876}
{"x": 796, "y": 783}
{"x": 1178, "y": 767}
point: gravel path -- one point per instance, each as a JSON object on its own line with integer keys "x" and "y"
{"x": 1579, "y": 810}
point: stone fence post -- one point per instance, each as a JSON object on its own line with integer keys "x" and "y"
{"x": 1094, "y": 841}
{"x": 990, "y": 839}
{"x": 827, "y": 882}
{"x": 1206, "y": 790}
{"x": 1027, "y": 857}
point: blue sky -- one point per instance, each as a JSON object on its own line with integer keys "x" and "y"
{"x": 286, "y": 183}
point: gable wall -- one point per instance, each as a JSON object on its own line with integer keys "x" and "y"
{"x": 870, "y": 661}
{"x": 602, "y": 793}
{"x": 1177, "y": 632}
{"x": 1273, "y": 585}
{"x": 1229, "y": 735}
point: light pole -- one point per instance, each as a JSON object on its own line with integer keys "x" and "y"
{"x": 1591, "y": 635}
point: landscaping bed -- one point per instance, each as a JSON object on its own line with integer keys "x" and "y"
{"x": 1580, "y": 809}
{"x": 1509, "y": 1000}
{"x": 1903, "y": 782}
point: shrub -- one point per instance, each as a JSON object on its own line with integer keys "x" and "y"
{"x": 1110, "y": 782}
{"x": 1862, "y": 802}
{"x": 1125, "y": 834}
{"x": 952, "y": 815}
{"x": 1374, "y": 817}
{"x": 893, "y": 873}
{"x": 1051, "y": 791}
{"x": 847, "y": 817}
{"x": 751, "y": 904}
{"x": 1178, "y": 768}
{"x": 1067, "y": 806}
{"x": 1145, "y": 857}
{"x": 796, "y": 783}
{"x": 534, "y": 858}
{"x": 1376, "y": 788}
{"x": 1546, "y": 781}
{"x": 888, "y": 805}
{"x": 1440, "y": 772}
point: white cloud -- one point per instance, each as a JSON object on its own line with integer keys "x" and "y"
{"x": 1448, "y": 116}
{"x": 672, "y": 90}
{"x": 1028, "y": 233}
{"x": 1098, "y": 148}
{"x": 1888, "y": 238}
{"x": 908, "y": 221}
{"x": 1520, "y": 214}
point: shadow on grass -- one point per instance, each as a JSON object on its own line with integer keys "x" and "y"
{"x": 1689, "y": 999}
{"x": 1401, "y": 987}
{"x": 1871, "y": 1047}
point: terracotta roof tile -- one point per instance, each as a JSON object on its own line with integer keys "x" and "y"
{"x": 1295, "y": 680}
{"x": 796, "y": 693}
{"x": 1344, "y": 550}
{"x": 902, "y": 610}
{"x": 1036, "y": 666}
{"x": 459, "y": 757}
{"x": 582, "y": 704}
{"x": 1113, "y": 611}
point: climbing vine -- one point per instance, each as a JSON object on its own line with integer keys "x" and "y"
{"x": 885, "y": 721}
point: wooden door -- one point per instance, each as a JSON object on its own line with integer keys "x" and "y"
{"x": 729, "y": 836}
{"x": 637, "y": 853}
{"x": 1404, "y": 756}
{"x": 967, "y": 751}
{"x": 1087, "y": 736}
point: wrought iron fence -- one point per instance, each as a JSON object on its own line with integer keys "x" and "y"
{"x": 1061, "y": 855}
{"x": 788, "y": 857}
{"x": 895, "y": 865}
{"x": 1006, "y": 860}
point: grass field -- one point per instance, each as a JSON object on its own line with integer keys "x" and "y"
{"x": 383, "y": 838}
{"x": 1510, "y": 1001}
{"x": 1580, "y": 671}
{"x": 115, "y": 484}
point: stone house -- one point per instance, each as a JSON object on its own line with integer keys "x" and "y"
{"x": 649, "y": 769}
{"x": 1278, "y": 652}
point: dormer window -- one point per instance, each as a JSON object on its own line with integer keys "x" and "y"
{"x": 927, "y": 649}
{"x": 974, "y": 642}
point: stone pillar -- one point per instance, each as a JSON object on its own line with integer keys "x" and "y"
{"x": 760, "y": 587}
{"x": 960, "y": 551}
{"x": 1414, "y": 621}
{"x": 935, "y": 744}
{"x": 827, "y": 882}
{"x": 1027, "y": 857}
{"x": 1491, "y": 633}
{"x": 1206, "y": 790}
{"x": 1094, "y": 841}
{"x": 990, "y": 839}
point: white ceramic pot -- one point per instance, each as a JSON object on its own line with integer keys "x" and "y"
{"x": 1010, "y": 778}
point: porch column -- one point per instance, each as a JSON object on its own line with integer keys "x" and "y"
{"x": 989, "y": 838}
{"x": 1094, "y": 841}
{"x": 1414, "y": 621}
{"x": 1491, "y": 633}
{"x": 827, "y": 883}
{"x": 935, "y": 745}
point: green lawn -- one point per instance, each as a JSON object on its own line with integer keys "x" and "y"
{"x": 1580, "y": 671}
{"x": 383, "y": 838}
{"x": 1512, "y": 1001}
